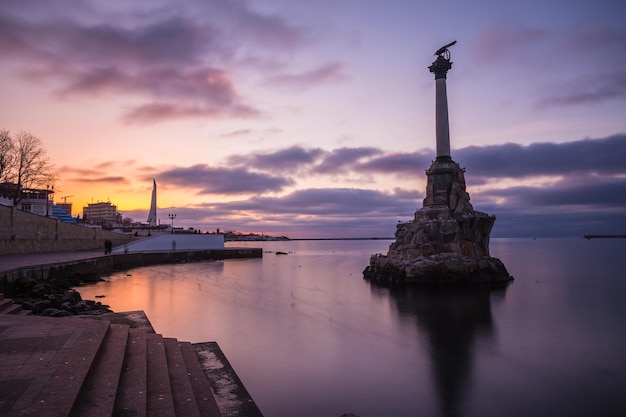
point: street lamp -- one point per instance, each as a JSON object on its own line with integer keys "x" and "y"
{"x": 172, "y": 217}
{"x": 48, "y": 192}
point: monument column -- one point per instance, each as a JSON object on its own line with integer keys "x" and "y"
{"x": 447, "y": 241}
{"x": 440, "y": 68}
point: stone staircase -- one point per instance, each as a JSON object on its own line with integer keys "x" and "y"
{"x": 75, "y": 367}
{"x": 8, "y": 307}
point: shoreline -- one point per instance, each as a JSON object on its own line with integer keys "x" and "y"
{"x": 38, "y": 268}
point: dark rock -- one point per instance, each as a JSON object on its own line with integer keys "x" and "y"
{"x": 40, "y": 306}
{"x": 72, "y": 297}
{"x": 54, "y": 312}
{"x": 54, "y": 298}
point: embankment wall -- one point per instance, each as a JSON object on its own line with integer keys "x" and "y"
{"x": 103, "y": 265}
{"x": 23, "y": 232}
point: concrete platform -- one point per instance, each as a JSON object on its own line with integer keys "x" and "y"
{"x": 85, "y": 367}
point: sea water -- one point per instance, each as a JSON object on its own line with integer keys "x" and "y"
{"x": 309, "y": 337}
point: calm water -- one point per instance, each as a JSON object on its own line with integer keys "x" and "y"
{"x": 309, "y": 337}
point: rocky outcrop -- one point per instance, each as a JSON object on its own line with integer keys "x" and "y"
{"x": 438, "y": 230}
{"x": 447, "y": 241}
{"x": 441, "y": 268}
{"x": 56, "y": 297}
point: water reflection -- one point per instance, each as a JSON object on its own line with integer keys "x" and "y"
{"x": 452, "y": 320}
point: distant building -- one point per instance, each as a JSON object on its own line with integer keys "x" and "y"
{"x": 66, "y": 206}
{"x": 35, "y": 201}
{"x": 32, "y": 200}
{"x": 103, "y": 213}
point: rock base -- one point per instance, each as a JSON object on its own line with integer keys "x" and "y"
{"x": 441, "y": 268}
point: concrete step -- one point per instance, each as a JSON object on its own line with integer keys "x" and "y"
{"x": 4, "y": 304}
{"x": 11, "y": 309}
{"x": 203, "y": 392}
{"x": 159, "y": 401}
{"x": 182, "y": 392}
{"x": 97, "y": 396}
{"x": 77, "y": 367}
{"x": 229, "y": 392}
{"x": 8, "y": 307}
{"x": 80, "y": 341}
{"x": 131, "y": 394}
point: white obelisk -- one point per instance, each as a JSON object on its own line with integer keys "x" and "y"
{"x": 152, "y": 215}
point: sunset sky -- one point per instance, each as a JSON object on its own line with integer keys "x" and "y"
{"x": 316, "y": 118}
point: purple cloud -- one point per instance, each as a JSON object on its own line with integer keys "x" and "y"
{"x": 324, "y": 74}
{"x": 500, "y": 43}
{"x": 603, "y": 156}
{"x": 413, "y": 163}
{"x": 323, "y": 212}
{"x": 174, "y": 62}
{"x": 97, "y": 174}
{"x": 215, "y": 180}
{"x": 593, "y": 193}
{"x": 337, "y": 202}
{"x": 587, "y": 89}
{"x": 339, "y": 160}
{"x": 588, "y": 193}
{"x": 286, "y": 160}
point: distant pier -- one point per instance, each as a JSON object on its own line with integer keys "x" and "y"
{"x": 604, "y": 236}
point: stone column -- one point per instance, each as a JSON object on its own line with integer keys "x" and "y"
{"x": 440, "y": 68}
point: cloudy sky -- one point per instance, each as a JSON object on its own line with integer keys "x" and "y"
{"x": 316, "y": 118}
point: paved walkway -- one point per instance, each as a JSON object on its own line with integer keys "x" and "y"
{"x": 9, "y": 262}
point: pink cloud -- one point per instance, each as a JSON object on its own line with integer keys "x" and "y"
{"x": 110, "y": 180}
{"x": 176, "y": 65}
{"x": 329, "y": 73}
{"x": 236, "y": 133}
{"x": 156, "y": 112}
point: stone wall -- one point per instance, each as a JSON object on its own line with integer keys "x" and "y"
{"x": 166, "y": 242}
{"x": 23, "y": 232}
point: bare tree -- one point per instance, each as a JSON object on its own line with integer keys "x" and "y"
{"x": 30, "y": 166}
{"x": 7, "y": 155}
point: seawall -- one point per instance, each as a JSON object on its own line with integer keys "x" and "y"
{"x": 23, "y": 232}
{"x": 116, "y": 262}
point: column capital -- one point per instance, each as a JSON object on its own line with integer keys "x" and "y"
{"x": 440, "y": 67}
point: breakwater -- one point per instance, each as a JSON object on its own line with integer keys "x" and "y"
{"x": 604, "y": 236}
{"x": 115, "y": 262}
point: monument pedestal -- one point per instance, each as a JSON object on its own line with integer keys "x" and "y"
{"x": 447, "y": 241}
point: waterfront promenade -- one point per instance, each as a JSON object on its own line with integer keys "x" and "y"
{"x": 40, "y": 266}
{"x": 10, "y": 262}
{"x": 108, "y": 365}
